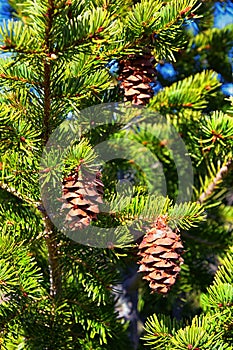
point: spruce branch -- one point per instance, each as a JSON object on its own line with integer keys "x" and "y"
{"x": 218, "y": 178}
{"x": 189, "y": 93}
{"x": 204, "y": 196}
{"x": 18, "y": 195}
{"x": 15, "y": 50}
{"x": 14, "y": 78}
{"x": 50, "y": 237}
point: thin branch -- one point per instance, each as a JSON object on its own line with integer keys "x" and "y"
{"x": 50, "y": 230}
{"x": 212, "y": 186}
{"x": 47, "y": 101}
{"x": 7, "y": 49}
{"x": 22, "y": 80}
{"x": 210, "y": 189}
{"x": 18, "y": 195}
{"x": 53, "y": 256}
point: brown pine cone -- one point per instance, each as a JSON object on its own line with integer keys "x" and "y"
{"x": 136, "y": 74}
{"x": 81, "y": 196}
{"x": 160, "y": 256}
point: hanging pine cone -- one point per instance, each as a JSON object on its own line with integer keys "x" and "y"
{"x": 81, "y": 196}
{"x": 136, "y": 74}
{"x": 160, "y": 256}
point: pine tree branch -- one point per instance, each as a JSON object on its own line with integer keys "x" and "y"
{"x": 50, "y": 237}
{"x": 210, "y": 189}
{"x": 20, "y": 311}
{"x": 18, "y": 195}
{"x": 219, "y": 176}
{"x": 16, "y": 50}
{"x": 90, "y": 268}
{"x": 76, "y": 43}
{"x": 23, "y": 80}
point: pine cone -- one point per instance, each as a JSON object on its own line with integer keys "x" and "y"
{"x": 160, "y": 252}
{"x": 81, "y": 196}
{"x": 136, "y": 74}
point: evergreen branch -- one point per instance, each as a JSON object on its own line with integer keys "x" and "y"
{"x": 186, "y": 215}
{"x": 90, "y": 268}
{"x": 16, "y": 69}
{"x": 82, "y": 85}
{"x": 91, "y": 27}
{"x": 17, "y": 36}
{"x": 47, "y": 101}
{"x": 219, "y": 297}
{"x": 18, "y": 195}
{"x": 55, "y": 278}
{"x": 25, "y": 52}
{"x": 20, "y": 311}
{"x": 14, "y": 78}
{"x": 159, "y": 330}
{"x": 201, "y": 333}
{"x": 100, "y": 326}
{"x": 204, "y": 196}
{"x": 217, "y": 128}
{"x": 225, "y": 270}
{"x": 162, "y": 333}
{"x": 47, "y": 73}
{"x": 55, "y": 274}
{"x": 143, "y": 17}
{"x": 175, "y": 10}
{"x": 209, "y": 37}
{"x": 212, "y": 186}
{"x": 168, "y": 35}
{"x": 75, "y": 46}
{"x": 187, "y": 93}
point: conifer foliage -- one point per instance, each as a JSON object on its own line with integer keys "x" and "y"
{"x": 56, "y": 293}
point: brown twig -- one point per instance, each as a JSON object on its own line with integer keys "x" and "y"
{"x": 50, "y": 232}
{"x": 14, "y": 78}
{"x": 53, "y": 255}
{"x": 212, "y": 186}
{"x": 210, "y": 189}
